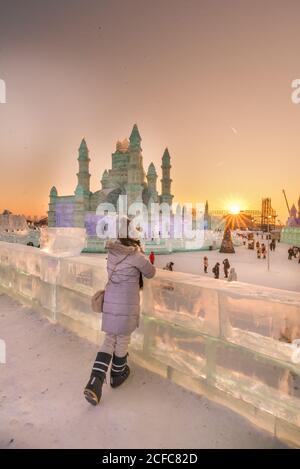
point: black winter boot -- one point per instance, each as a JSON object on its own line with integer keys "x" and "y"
{"x": 119, "y": 371}
{"x": 93, "y": 389}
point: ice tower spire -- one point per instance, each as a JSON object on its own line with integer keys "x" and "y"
{"x": 135, "y": 138}
{"x": 166, "y": 180}
{"x": 152, "y": 179}
{"x": 83, "y": 174}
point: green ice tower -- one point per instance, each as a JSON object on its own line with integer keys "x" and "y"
{"x": 82, "y": 192}
{"x": 105, "y": 180}
{"x": 166, "y": 180}
{"x": 52, "y": 204}
{"x": 152, "y": 179}
{"x": 136, "y": 174}
{"x": 83, "y": 160}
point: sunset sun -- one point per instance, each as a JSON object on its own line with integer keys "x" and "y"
{"x": 234, "y": 209}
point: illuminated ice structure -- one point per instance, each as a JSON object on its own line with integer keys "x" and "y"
{"x": 291, "y": 232}
{"x": 234, "y": 342}
{"x": 291, "y": 235}
{"x": 14, "y": 229}
{"x": 126, "y": 177}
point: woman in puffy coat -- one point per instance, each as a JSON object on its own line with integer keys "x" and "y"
{"x": 121, "y": 311}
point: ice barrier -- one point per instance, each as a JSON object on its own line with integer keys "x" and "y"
{"x": 291, "y": 235}
{"x": 229, "y": 341}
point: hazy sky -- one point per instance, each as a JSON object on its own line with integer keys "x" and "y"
{"x": 210, "y": 79}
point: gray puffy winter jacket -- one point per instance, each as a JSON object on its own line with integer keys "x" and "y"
{"x": 121, "y": 309}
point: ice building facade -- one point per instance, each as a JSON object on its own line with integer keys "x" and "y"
{"x": 294, "y": 218}
{"x": 125, "y": 177}
{"x": 291, "y": 232}
{"x": 14, "y": 229}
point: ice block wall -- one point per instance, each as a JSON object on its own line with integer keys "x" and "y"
{"x": 230, "y": 341}
{"x": 291, "y": 235}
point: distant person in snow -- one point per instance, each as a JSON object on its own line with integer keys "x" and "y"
{"x": 258, "y": 253}
{"x": 205, "y": 264}
{"x": 226, "y": 266}
{"x": 232, "y": 277}
{"x": 290, "y": 253}
{"x": 216, "y": 270}
{"x": 152, "y": 257}
{"x": 169, "y": 266}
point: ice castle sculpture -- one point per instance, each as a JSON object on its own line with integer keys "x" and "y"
{"x": 126, "y": 177}
{"x": 14, "y": 229}
{"x": 10, "y": 223}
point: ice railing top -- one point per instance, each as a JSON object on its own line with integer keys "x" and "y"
{"x": 259, "y": 318}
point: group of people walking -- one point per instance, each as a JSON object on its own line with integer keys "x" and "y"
{"x": 261, "y": 250}
{"x": 229, "y": 272}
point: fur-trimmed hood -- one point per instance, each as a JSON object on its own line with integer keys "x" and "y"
{"x": 117, "y": 248}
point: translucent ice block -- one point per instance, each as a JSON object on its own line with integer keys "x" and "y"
{"x": 267, "y": 384}
{"x": 63, "y": 241}
{"x": 84, "y": 274}
{"x": 181, "y": 349}
{"x": 181, "y": 300}
{"x": 261, "y": 318}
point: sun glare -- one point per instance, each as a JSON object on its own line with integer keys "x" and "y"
{"x": 234, "y": 209}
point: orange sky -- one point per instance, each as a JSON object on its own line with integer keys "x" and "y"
{"x": 209, "y": 79}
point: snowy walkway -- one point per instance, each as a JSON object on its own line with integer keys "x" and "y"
{"x": 283, "y": 274}
{"x": 42, "y": 406}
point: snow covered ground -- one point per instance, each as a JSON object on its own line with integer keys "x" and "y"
{"x": 283, "y": 274}
{"x": 42, "y": 404}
